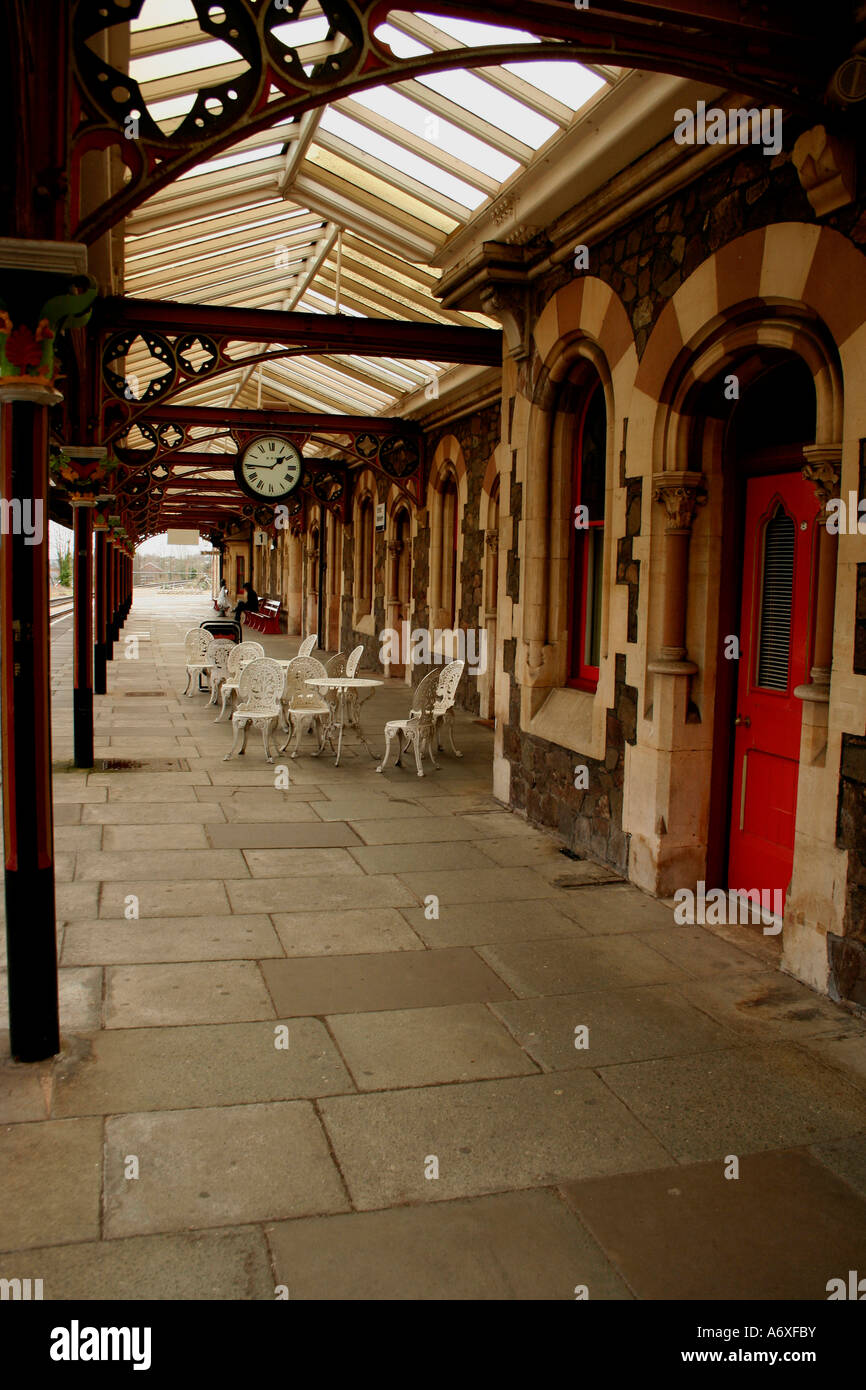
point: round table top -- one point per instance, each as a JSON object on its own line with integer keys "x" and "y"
{"x": 342, "y": 682}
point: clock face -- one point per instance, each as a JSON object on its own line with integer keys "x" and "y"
{"x": 270, "y": 468}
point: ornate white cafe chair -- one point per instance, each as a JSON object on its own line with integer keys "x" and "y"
{"x": 418, "y": 730}
{"x": 259, "y": 690}
{"x": 217, "y": 656}
{"x": 196, "y": 643}
{"x": 443, "y": 712}
{"x": 303, "y": 705}
{"x": 308, "y": 646}
{"x": 241, "y": 654}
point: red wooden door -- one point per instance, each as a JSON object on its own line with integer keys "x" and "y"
{"x": 774, "y": 647}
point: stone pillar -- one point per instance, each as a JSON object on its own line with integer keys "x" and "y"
{"x": 680, "y": 494}
{"x": 823, "y": 468}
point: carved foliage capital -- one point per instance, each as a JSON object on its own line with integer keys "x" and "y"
{"x": 680, "y": 494}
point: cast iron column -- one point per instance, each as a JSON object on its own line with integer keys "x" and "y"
{"x": 28, "y": 824}
{"x": 82, "y": 694}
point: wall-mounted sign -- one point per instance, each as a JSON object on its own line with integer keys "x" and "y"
{"x": 380, "y": 516}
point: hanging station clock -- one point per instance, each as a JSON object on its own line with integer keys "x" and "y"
{"x": 269, "y": 468}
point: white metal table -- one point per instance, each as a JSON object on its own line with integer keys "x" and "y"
{"x": 338, "y": 720}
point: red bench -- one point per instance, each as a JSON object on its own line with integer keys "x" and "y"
{"x": 267, "y": 618}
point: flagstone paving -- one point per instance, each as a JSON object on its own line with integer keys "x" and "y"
{"x": 351, "y": 1036}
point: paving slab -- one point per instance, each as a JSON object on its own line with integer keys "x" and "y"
{"x": 403, "y": 859}
{"x": 303, "y": 836}
{"x": 289, "y": 864}
{"x": 369, "y": 807}
{"x": 25, "y": 1089}
{"x": 189, "y": 897}
{"x": 226, "y": 1166}
{"x": 742, "y": 1100}
{"x": 570, "y": 966}
{"x": 510, "y": 1246}
{"x": 426, "y": 1047}
{"x": 393, "y": 980}
{"x": 699, "y": 952}
{"x": 67, "y": 813}
{"x": 132, "y": 792}
{"x": 689, "y": 1233}
{"x": 625, "y": 1025}
{"x": 249, "y": 809}
{"x": 423, "y": 830}
{"x": 613, "y": 908}
{"x": 76, "y": 901}
{"x": 206, "y": 1265}
{"x": 158, "y": 939}
{"x": 347, "y": 932}
{"x": 846, "y": 1158}
{"x": 315, "y": 893}
{"x": 479, "y": 885}
{"x": 75, "y": 837}
{"x": 157, "y": 866}
{"x": 476, "y": 924}
{"x": 50, "y": 1177}
{"x": 198, "y": 1066}
{"x": 765, "y": 1004}
{"x": 161, "y": 813}
{"x": 845, "y": 1052}
{"x": 66, "y": 789}
{"x": 137, "y": 838}
{"x": 151, "y": 996}
{"x": 488, "y": 1136}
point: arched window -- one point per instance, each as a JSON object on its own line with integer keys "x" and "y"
{"x": 586, "y": 558}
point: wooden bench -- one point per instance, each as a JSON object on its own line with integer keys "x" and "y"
{"x": 266, "y": 618}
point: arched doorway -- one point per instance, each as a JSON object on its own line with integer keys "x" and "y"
{"x": 767, "y": 604}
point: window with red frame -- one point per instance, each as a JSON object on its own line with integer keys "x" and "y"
{"x": 586, "y": 551}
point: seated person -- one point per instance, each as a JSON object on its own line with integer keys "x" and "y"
{"x": 250, "y": 603}
{"x": 222, "y": 599}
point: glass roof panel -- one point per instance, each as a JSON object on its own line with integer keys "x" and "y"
{"x": 401, "y": 158}
{"x": 501, "y": 110}
{"x": 407, "y": 113}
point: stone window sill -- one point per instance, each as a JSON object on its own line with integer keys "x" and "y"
{"x": 567, "y": 718}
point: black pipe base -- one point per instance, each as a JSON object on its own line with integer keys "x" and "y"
{"x": 100, "y": 661}
{"x": 31, "y": 951}
{"x": 82, "y": 715}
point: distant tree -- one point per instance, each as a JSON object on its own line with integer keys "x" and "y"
{"x": 64, "y": 564}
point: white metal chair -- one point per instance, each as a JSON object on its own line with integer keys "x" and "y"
{"x": 334, "y": 666}
{"x": 308, "y": 646}
{"x": 196, "y": 643}
{"x": 259, "y": 690}
{"x": 353, "y": 700}
{"x": 303, "y": 705}
{"x": 418, "y": 730}
{"x": 217, "y": 656}
{"x": 241, "y": 654}
{"x": 443, "y": 711}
